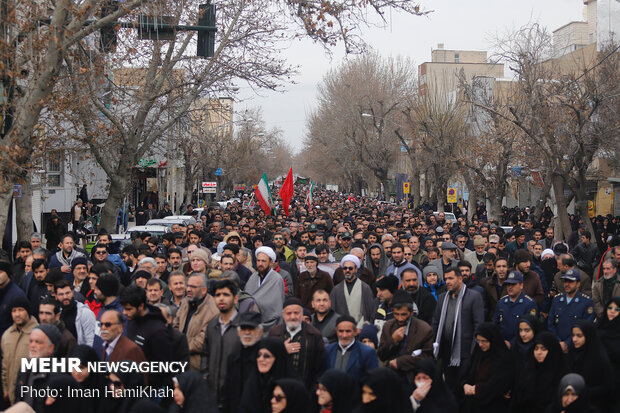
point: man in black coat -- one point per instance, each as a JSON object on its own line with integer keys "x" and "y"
{"x": 422, "y": 298}
{"x": 146, "y": 326}
{"x": 304, "y": 343}
{"x": 463, "y": 311}
{"x": 241, "y": 364}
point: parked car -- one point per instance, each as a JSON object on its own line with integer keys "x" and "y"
{"x": 164, "y": 222}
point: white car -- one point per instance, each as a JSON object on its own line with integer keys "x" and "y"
{"x": 154, "y": 230}
{"x": 186, "y": 219}
{"x": 224, "y": 204}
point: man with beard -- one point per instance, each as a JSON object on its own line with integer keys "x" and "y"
{"x": 197, "y": 309}
{"x": 532, "y": 285}
{"x": 15, "y": 343}
{"x": 267, "y": 287}
{"x": 377, "y": 261}
{"x": 405, "y": 339}
{"x": 106, "y": 292}
{"x": 66, "y": 255}
{"x": 312, "y": 280}
{"x": 49, "y": 313}
{"x": 447, "y": 259}
{"x": 43, "y": 341}
{"x": 353, "y": 297}
{"x": 418, "y": 255}
{"x": 458, "y": 314}
{"x": 146, "y": 326}
{"x": 221, "y": 339}
{"x": 283, "y": 252}
{"x": 175, "y": 260}
{"x": 241, "y": 363}
{"x": 304, "y": 343}
{"x": 78, "y": 318}
{"x": 324, "y": 318}
{"x": 399, "y": 263}
{"x": 35, "y": 286}
{"x": 422, "y": 298}
{"x": 79, "y": 267}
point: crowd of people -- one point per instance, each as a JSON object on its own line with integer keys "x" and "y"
{"x": 348, "y": 305}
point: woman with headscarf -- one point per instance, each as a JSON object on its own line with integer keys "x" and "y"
{"x": 572, "y": 396}
{"x": 117, "y": 383}
{"x": 383, "y": 391}
{"x": 521, "y": 345}
{"x": 289, "y": 396}
{"x": 490, "y": 373}
{"x": 588, "y": 358}
{"x": 272, "y": 364}
{"x": 535, "y": 386}
{"x": 608, "y": 328}
{"x": 85, "y": 379}
{"x": 430, "y": 393}
{"x": 192, "y": 394}
{"x": 337, "y": 392}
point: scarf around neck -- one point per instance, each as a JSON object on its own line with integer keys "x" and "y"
{"x": 455, "y": 355}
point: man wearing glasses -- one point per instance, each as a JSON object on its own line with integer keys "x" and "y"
{"x": 353, "y": 297}
{"x": 113, "y": 345}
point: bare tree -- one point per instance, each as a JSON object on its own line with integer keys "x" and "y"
{"x": 62, "y": 57}
{"x": 565, "y": 108}
{"x": 360, "y": 104}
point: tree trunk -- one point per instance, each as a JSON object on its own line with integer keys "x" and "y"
{"x": 563, "y": 228}
{"x": 109, "y": 215}
{"x": 495, "y": 207}
{"x": 542, "y": 201}
{"x": 5, "y": 202}
{"x": 23, "y": 211}
{"x": 581, "y": 203}
{"x": 415, "y": 188}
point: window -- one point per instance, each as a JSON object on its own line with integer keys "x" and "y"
{"x": 55, "y": 163}
{"x": 457, "y": 57}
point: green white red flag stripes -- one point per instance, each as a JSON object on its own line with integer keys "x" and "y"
{"x": 309, "y": 196}
{"x": 263, "y": 194}
{"x": 286, "y": 192}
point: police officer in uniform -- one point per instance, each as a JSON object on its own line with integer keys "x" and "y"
{"x": 510, "y": 308}
{"x": 568, "y": 307}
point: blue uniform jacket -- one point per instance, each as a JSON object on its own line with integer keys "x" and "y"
{"x": 563, "y": 315}
{"x": 508, "y": 313}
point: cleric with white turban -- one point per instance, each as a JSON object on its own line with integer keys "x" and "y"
{"x": 350, "y": 258}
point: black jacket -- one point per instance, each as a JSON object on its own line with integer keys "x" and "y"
{"x": 153, "y": 336}
{"x": 312, "y": 351}
{"x": 239, "y": 367}
{"x": 426, "y": 304}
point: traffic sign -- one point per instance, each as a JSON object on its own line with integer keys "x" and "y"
{"x": 209, "y": 187}
{"x": 405, "y": 187}
{"x": 451, "y": 195}
{"x": 591, "y": 209}
{"x": 218, "y": 172}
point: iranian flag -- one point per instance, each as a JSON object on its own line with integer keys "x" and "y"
{"x": 309, "y": 196}
{"x": 263, "y": 194}
{"x": 286, "y": 192}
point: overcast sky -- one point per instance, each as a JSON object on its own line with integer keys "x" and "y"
{"x": 462, "y": 25}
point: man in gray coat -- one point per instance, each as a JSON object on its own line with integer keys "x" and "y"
{"x": 448, "y": 252}
{"x": 458, "y": 314}
{"x": 221, "y": 338}
{"x": 353, "y": 297}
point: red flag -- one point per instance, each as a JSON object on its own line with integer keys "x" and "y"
{"x": 286, "y": 192}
